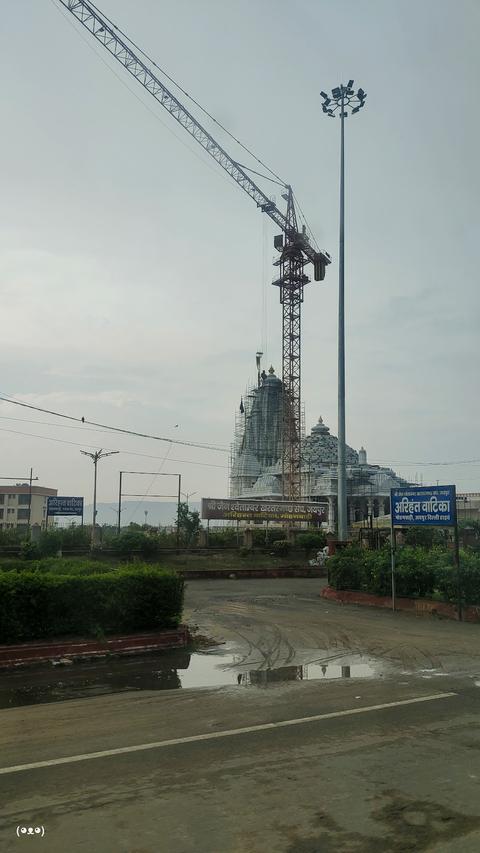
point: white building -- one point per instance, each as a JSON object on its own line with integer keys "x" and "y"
{"x": 22, "y": 504}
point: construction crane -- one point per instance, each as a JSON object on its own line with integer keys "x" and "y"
{"x": 295, "y": 250}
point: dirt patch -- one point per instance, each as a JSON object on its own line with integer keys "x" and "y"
{"x": 408, "y": 825}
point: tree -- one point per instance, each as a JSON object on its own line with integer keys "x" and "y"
{"x": 188, "y": 523}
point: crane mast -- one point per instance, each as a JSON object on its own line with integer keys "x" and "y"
{"x": 294, "y": 246}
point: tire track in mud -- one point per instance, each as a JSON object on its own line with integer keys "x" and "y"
{"x": 275, "y": 630}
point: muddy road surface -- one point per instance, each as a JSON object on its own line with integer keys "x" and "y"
{"x": 280, "y": 622}
{"x": 295, "y": 726}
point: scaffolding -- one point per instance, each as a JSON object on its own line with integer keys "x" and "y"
{"x": 258, "y": 446}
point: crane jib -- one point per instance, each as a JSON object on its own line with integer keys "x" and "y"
{"x": 90, "y": 18}
{"x": 102, "y": 30}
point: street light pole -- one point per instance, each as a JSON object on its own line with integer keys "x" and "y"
{"x": 99, "y": 454}
{"x": 342, "y": 100}
{"x": 188, "y": 495}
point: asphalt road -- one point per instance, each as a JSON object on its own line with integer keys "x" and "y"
{"x": 389, "y": 763}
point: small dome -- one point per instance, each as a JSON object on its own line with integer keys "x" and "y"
{"x": 320, "y": 428}
{"x": 267, "y": 484}
{"x": 271, "y": 379}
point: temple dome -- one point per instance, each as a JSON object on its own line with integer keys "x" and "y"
{"x": 271, "y": 379}
{"x": 267, "y": 484}
{"x": 321, "y": 448}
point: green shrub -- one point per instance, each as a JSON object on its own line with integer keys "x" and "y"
{"x": 29, "y": 550}
{"x": 281, "y": 547}
{"x": 447, "y": 583}
{"x": 370, "y": 571}
{"x": 60, "y": 565}
{"x": 72, "y": 566}
{"x": 311, "y": 541}
{"x": 425, "y": 537}
{"x": 346, "y": 569}
{"x": 378, "y": 571}
{"x": 9, "y": 564}
{"x": 223, "y": 538}
{"x": 264, "y": 537}
{"x": 419, "y": 572}
{"x": 35, "y": 605}
{"x": 48, "y": 544}
{"x": 135, "y": 541}
{"x": 75, "y": 537}
{"x": 11, "y": 538}
{"x": 414, "y": 572}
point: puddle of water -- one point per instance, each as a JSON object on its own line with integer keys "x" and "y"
{"x": 170, "y": 671}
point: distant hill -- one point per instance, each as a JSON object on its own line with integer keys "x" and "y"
{"x": 162, "y": 513}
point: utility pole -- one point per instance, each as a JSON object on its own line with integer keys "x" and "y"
{"x": 178, "y": 511}
{"x": 30, "y": 499}
{"x": 342, "y": 100}
{"x": 98, "y": 454}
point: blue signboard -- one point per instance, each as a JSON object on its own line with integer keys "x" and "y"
{"x": 64, "y": 506}
{"x": 424, "y": 505}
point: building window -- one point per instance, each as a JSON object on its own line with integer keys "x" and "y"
{"x": 2, "y": 499}
{"x": 22, "y": 513}
{"x": 10, "y": 511}
{"x": 1, "y": 512}
{"x": 24, "y": 500}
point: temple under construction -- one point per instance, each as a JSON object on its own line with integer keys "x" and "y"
{"x": 256, "y": 468}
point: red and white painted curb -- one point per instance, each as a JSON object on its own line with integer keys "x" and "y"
{"x": 63, "y": 650}
{"x": 421, "y": 606}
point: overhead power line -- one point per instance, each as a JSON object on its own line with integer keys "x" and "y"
{"x": 126, "y": 452}
{"x": 83, "y": 420}
{"x": 420, "y": 464}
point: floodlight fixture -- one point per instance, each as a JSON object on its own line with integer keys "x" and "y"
{"x": 344, "y": 100}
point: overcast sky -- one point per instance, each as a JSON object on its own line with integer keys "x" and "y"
{"x": 133, "y": 271}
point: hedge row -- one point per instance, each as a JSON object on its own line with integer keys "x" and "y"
{"x": 36, "y": 605}
{"x": 419, "y": 573}
{"x": 63, "y": 565}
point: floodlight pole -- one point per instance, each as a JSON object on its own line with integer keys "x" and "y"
{"x": 342, "y": 470}
{"x": 343, "y": 98}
